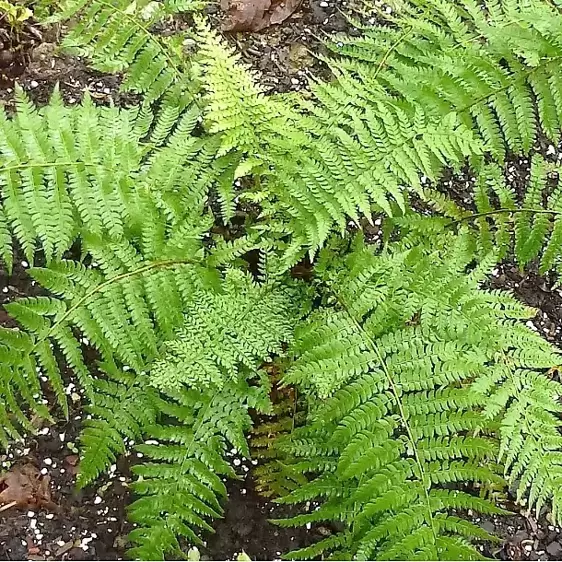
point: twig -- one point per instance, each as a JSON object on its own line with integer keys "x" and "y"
{"x": 7, "y": 506}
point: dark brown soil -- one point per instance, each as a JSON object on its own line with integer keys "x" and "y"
{"x": 16, "y": 45}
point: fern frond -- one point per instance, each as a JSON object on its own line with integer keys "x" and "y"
{"x": 527, "y": 229}
{"x": 124, "y": 408}
{"x": 442, "y": 84}
{"x": 180, "y": 485}
{"x": 402, "y": 419}
{"x": 117, "y": 36}
{"x": 225, "y": 333}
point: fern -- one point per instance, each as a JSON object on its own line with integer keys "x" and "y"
{"x": 413, "y": 368}
{"x": 180, "y": 485}
{"x": 125, "y": 407}
{"x": 442, "y": 84}
{"x": 206, "y": 376}
{"x": 526, "y": 228}
{"x": 415, "y": 380}
{"x": 116, "y": 36}
{"x": 223, "y": 333}
{"x": 66, "y": 172}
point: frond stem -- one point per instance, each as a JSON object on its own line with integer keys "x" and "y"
{"x": 503, "y": 212}
{"x": 45, "y": 165}
{"x": 402, "y": 413}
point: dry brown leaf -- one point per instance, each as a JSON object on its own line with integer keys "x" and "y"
{"x": 72, "y": 464}
{"x": 255, "y": 15}
{"x": 23, "y": 486}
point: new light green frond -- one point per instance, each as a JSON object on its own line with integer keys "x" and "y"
{"x": 236, "y": 106}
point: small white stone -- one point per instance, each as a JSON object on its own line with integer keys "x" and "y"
{"x": 24, "y": 264}
{"x": 237, "y": 462}
{"x": 295, "y": 81}
{"x": 550, "y": 150}
{"x": 97, "y": 500}
{"x": 34, "y": 84}
{"x": 5, "y": 290}
{"x": 49, "y": 515}
{"x": 44, "y": 471}
{"x": 324, "y": 4}
{"x": 31, "y": 514}
{"x": 48, "y": 461}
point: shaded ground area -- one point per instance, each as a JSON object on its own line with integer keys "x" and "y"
{"x": 91, "y": 524}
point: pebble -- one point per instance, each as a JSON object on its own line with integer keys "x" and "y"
{"x": 34, "y": 84}
{"x": 554, "y": 549}
{"x": 97, "y": 500}
{"x": 295, "y": 81}
{"x": 324, "y": 4}
{"x": 48, "y": 461}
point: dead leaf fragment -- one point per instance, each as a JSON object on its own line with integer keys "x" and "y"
{"x": 255, "y": 15}
{"x": 72, "y": 464}
{"x": 23, "y": 486}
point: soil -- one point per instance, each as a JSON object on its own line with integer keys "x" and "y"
{"x": 91, "y": 524}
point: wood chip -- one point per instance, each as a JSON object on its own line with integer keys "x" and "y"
{"x": 64, "y": 548}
